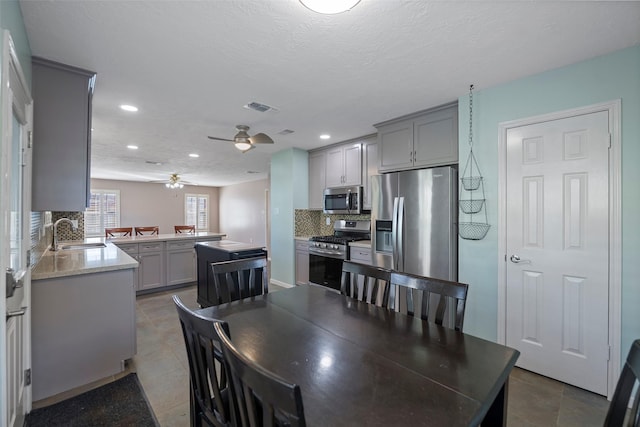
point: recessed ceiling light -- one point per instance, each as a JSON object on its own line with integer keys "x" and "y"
{"x": 325, "y": 136}
{"x": 132, "y": 147}
{"x": 329, "y": 7}
{"x": 194, "y": 155}
{"x": 130, "y": 108}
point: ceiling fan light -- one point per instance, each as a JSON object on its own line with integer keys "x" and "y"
{"x": 243, "y": 145}
{"x": 329, "y": 7}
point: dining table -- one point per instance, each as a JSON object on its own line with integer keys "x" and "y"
{"x": 362, "y": 365}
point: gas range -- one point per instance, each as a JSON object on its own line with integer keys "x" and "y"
{"x": 337, "y": 245}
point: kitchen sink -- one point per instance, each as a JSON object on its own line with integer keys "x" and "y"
{"x": 83, "y": 246}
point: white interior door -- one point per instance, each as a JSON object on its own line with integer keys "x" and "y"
{"x": 14, "y": 237}
{"x": 557, "y": 224}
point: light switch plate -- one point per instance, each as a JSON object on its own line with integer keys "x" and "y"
{"x": 75, "y": 223}
{"x": 328, "y": 221}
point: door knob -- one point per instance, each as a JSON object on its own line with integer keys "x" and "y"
{"x": 516, "y": 260}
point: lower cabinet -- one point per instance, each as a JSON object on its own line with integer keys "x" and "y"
{"x": 151, "y": 270}
{"x": 181, "y": 262}
{"x": 361, "y": 255}
{"x": 302, "y": 262}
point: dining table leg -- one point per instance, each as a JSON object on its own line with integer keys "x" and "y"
{"x": 497, "y": 413}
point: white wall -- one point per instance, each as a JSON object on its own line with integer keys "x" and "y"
{"x": 243, "y": 211}
{"x": 143, "y": 203}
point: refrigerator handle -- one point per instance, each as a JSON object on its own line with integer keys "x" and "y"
{"x": 394, "y": 233}
{"x": 400, "y": 234}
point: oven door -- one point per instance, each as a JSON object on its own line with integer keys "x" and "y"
{"x": 325, "y": 271}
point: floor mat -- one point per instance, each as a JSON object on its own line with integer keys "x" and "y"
{"x": 120, "y": 403}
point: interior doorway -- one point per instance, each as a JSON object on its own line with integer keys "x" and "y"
{"x": 559, "y": 291}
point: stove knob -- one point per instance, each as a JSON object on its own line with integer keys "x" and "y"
{"x": 334, "y": 247}
{"x": 323, "y": 245}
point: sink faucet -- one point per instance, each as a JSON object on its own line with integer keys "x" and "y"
{"x": 54, "y": 246}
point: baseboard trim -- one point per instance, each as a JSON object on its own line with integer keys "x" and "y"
{"x": 279, "y": 283}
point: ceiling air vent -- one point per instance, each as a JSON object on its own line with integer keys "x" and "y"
{"x": 285, "y": 132}
{"x": 151, "y": 162}
{"x": 260, "y": 107}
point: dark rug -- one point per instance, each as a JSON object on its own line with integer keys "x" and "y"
{"x": 120, "y": 403}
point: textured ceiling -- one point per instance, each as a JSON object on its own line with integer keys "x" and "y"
{"x": 191, "y": 66}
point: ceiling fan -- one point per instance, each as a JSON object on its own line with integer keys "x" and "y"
{"x": 243, "y": 141}
{"x": 174, "y": 181}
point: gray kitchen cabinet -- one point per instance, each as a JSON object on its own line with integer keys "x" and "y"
{"x": 181, "y": 262}
{"x": 61, "y": 136}
{"x": 151, "y": 271}
{"x": 360, "y": 254}
{"x": 83, "y": 328}
{"x": 302, "y": 262}
{"x": 424, "y": 139}
{"x": 317, "y": 183}
{"x": 369, "y": 169}
{"x": 344, "y": 165}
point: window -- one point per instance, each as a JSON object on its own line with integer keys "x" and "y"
{"x": 196, "y": 211}
{"x": 103, "y": 212}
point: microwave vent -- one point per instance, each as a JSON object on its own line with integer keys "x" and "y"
{"x": 263, "y": 108}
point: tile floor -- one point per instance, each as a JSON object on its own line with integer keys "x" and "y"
{"x": 162, "y": 367}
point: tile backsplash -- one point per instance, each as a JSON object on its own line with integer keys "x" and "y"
{"x": 65, "y": 232}
{"x": 314, "y": 222}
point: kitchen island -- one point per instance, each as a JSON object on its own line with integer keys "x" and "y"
{"x": 83, "y": 317}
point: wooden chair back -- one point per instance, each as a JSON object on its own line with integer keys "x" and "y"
{"x": 260, "y": 398}
{"x": 238, "y": 279}
{"x": 429, "y": 290}
{"x": 179, "y": 229}
{"x": 365, "y": 283}
{"x": 150, "y": 230}
{"x": 117, "y": 232}
{"x": 207, "y": 369}
{"x": 629, "y": 377}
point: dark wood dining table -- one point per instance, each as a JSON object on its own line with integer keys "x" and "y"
{"x": 361, "y": 365}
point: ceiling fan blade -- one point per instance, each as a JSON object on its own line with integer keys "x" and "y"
{"x": 261, "y": 138}
{"x": 220, "y": 139}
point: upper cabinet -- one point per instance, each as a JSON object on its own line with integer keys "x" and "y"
{"x": 317, "y": 181}
{"x": 61, "y": 136}
{"x": 369, "y": 168}
{"x": 344, "y": 165}
{"x": 428, "y": 138}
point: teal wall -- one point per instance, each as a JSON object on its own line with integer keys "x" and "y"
{"x": 11, "y": 19}
{"x": 289, "y": 187}
{"x": 605, "y": 78}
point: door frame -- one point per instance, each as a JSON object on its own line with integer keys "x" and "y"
{"x": 614, "y": 109}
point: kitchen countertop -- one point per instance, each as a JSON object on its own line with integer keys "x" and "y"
{"x": 71, "y": 262}
{"x": 302, "y": 237}
{"x": 231, "y": 246}
{"x": 165, "y": 237}
{"x": 361, "y": 244}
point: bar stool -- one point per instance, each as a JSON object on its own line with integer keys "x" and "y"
{"x": 117, "y": 232}
{"x": 179, "y": 229}
{"x": 150, "y": 230}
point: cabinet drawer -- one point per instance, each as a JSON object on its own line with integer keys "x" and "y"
{"x": 150, "y": 247}
{"x": 131, "y": 249}
{"x": 302, "y": 245}
{"x": 180, "y": 244}
{"x": 361, "y": 255}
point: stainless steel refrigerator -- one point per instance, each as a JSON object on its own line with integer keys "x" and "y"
{"x": 414, "y": 222}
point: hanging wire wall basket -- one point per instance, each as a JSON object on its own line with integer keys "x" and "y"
{"x": 470, "y": 200}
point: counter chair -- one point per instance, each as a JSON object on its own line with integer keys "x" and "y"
{"x": 151, "y": 230}
{"x": 207, "y": 368}
{"x": 410, "y": 287}
{"x": 180, "y": 229}
{"x": 238, "y": 279}
{"x": 110, "y": 233}
{"x": 365, "y": 283}
{"x": 629, "y": 377}
{"x": 259, "y": 397}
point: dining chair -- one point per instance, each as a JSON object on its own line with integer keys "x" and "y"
{"x": 238, "y": 279}
{"x": 117, "y": 232}
{"x": 209, "y": 381}
{"x": 629, "y": 377}
{"x": 428, "y": 289}
{"x": 178, "y": 229}
{"x": 259, "y": 397}
{"x": 140, "y": 231}
{"x": 365, "y": 283}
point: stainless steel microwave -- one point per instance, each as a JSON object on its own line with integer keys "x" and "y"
{"x": 344, "y": 200}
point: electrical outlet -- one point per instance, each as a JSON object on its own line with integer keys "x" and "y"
{"x": 75, "y": 223}
{"x": 328, "y": 221}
